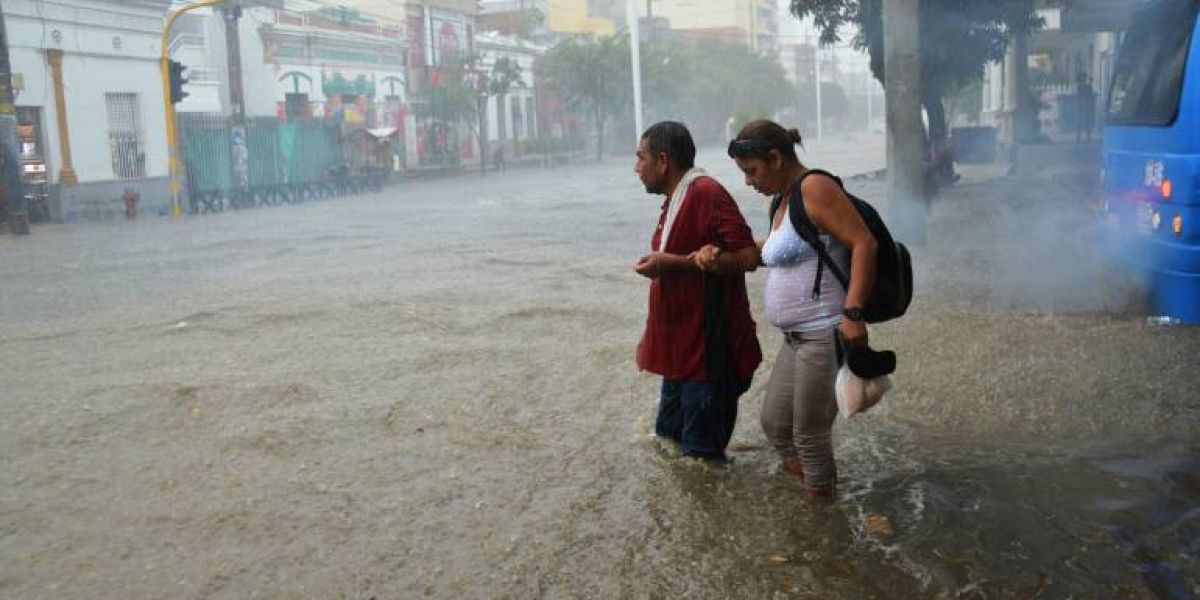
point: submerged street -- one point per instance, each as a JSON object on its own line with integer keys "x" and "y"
{"x": 430, "y": 392}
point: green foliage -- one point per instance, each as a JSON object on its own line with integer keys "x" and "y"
{"x": 506, "y": 74}
{"x": 459, "y": 97}
{"x": 455, "y": 100}
{"x": 707, "y": 84}
{"x": 592, "y": 74}
{"x": 958, "y": 37}
{"x": 742, "y": 117}
{"x": 703, "y": 85}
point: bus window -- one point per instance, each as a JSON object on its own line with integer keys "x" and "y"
{"x": 1148, "y": 79}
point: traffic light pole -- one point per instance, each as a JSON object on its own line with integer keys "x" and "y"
{"x": 174, "y": 163}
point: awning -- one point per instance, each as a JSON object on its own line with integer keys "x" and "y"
{"x": 382, "y": 132}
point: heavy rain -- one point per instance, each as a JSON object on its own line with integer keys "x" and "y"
{"x": 337, "y": 299}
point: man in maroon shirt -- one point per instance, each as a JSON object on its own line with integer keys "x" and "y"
{"x": 699, "y": 334}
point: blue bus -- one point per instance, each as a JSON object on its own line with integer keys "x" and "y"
{"x": 1152, "y": 155}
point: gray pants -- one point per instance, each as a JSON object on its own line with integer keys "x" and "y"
{"x": 798, "y": 412}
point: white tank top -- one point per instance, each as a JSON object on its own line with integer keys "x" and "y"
{"x": 792, "y": 272}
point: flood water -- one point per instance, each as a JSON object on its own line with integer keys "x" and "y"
{"x": 430, "y": 392}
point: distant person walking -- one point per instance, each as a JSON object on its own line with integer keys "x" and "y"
{"x": 1085, "y": 108}
{"x": 699, "y": 334}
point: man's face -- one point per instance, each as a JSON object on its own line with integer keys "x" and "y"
{"x": 651, "y": 169}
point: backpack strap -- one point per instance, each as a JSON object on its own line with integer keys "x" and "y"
{"x": 807, "y": 231}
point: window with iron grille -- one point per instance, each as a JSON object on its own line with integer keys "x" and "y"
{"x": 125, "y": 136}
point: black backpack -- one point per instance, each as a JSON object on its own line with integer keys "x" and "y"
{"x": 892, "y": 291}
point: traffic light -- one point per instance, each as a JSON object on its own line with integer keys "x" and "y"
{"x": 176, "y": 69}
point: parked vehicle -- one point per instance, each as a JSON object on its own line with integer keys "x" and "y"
{"x": 1152, "y": 156}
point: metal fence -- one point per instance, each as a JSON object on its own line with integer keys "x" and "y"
{"x": 286, "y": 163}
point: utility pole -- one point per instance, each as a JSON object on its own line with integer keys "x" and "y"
{"x": 239, "y": 153}
{"x": 817, "y": 90}
{"x": 907, "y": 200}
{"x": 635, "y": 57}
{"x": 870, "y": 88}
{"x": 653, "y": 28}
{"x": 10, "y": 170}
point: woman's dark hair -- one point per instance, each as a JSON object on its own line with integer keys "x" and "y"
{"x": 759, "y": 137}
{"x": 675, "y": 140}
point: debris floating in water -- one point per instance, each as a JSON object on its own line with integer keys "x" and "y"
{"x": 878, "y": 526}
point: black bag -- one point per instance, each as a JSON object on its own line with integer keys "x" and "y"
{"x": 892, "y": 291}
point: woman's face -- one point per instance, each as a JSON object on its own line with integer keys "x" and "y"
{"x": 763, "y": 173}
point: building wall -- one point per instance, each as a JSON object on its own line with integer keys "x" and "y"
{"x": 1092, "y": 53}
{"x": 270, "y": 71}
{"x": 491, "y": 49}
{"x": 109, "y": 47}
{"x": 198, "y": 42}
{"x": 574, "y": 17}
{"x": 757, "y": 20}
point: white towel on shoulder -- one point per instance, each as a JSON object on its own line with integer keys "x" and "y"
{"x": 677, "y": 197}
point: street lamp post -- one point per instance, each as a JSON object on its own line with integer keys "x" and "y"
{"x": 174, "y": 164}
{"x": 635, "y": 57}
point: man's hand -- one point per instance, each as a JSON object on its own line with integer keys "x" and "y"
{"x": 705, "y": 258}
{"x": 652, "y": 265}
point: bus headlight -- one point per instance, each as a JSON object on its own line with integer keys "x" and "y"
{"x": 1155, "y": 220}
{"x": 1177, "y": 225}
{"x": 1165, "y": 189}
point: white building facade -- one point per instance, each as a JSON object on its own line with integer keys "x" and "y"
{"x": 512, "y": 118}
{"x": 90, "y": 87}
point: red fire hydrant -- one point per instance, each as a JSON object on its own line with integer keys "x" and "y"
{"x": 131, "y": 202}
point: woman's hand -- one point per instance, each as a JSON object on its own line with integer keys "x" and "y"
{"x": 705, "y": 258}
{"x": 854, "y": 333}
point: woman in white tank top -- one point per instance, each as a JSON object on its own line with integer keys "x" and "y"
{"x": 804, "y": 300}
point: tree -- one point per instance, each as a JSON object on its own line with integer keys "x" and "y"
{"x": 702, "y": 85}
{"x": 958, "y": 39}
{"x": 506, "y": 73}
{"x": 451, "y": 100}
{"x": 707, "y": 84}
{"x": 460, "y": 92}
{"x": 591, "y": 74}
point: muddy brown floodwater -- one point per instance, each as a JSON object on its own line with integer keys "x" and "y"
{"x": 430, "y": 392}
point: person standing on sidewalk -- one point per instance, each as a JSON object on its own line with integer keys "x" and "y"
{"x": 800, "y": 405}
{"x": 699, "y": 334}
{"x": 1085, "y": 108}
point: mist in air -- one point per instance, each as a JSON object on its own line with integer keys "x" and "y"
{"x": 377, "y": 340}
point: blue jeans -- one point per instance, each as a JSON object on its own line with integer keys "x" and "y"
{"x": 700, "y": 415}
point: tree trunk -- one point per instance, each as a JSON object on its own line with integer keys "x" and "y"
{"x": 599, "y": 133}
{"x": 908, "y": 202}
{"x": 938, "y": 146}
{"x": 483, "y": 135}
